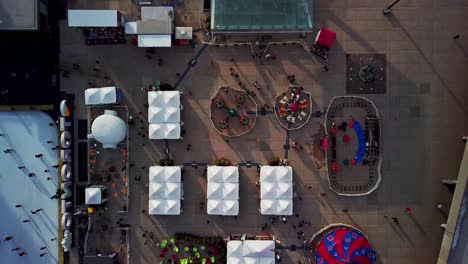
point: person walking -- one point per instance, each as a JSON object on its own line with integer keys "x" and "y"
{"x": 325, "y": 68}
{"x": 43, "y": 248}
{"x": 345, "y": 211}
{"x": 31, "y": 174}
{"x": 21, "y": 167}
{"x": 8, "y": 238}
{"x": 408, "y": 210}
{"x": 396, "y": 220}
{"x": 43, "y": 254}
{"x": 15, "y": 249}
{"x": 18, "y": 206}
{"x": 39, "y": 155}
{"x": 22, "y": 253}
{"x": 26, "y": 221}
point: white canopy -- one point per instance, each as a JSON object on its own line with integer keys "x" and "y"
{"x": 164, "y": 207}
{"x": 223, "y": 174}
{"x": 223, "y": 191}
{"x": 164, "y": 131}
{"x": 169, "y": 114}
{"x": 93, "y": 18}
{"x": 164, "y": 98}
{"x": 165, "y": 174}
{"x": 154, "y": 40}
{"x": 276, "y": 174}
{"x": 276, "y": 207}
{"x": 223, "y": 207}
{"x": 93, "y": 195}
{"x": 104, "y": 95}
{"x": 251, "y": 252}
{"x": 165, "y": 191}
{"x": 276, "y": 190}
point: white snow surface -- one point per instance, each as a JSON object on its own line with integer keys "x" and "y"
{"x": 27, "y": 134}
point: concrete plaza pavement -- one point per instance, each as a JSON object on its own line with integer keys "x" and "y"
{"x": 423, "y": 117}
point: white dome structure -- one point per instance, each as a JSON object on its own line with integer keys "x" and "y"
{"x": 109, "y": 129}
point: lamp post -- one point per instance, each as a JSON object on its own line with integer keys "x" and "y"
{"x": 388, "y": 9}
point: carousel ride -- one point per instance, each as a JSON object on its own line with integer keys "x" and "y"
{"x": 293, "y": 107}
{"x": 233, "y": 112}
{"x": 339, "y": 243}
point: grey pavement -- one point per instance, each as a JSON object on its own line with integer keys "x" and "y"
{"x": 423, "y": 117}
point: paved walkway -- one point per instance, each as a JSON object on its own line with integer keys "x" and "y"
{"x": 423, "y": 118}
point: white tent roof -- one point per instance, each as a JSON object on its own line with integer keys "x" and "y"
{"x": 93, "y": 18}
{"x": 164, "y": 98}
{"x": 109, "y": 129}
{"x": 251, "y": 252}
{"x": 223, "y": 191}
{"x": 164, "y": 191}
{"x": 154, "y": 41}
{"x": 169, "y": 114}
{"x": 278, "y": 190}
{"x": 276, "y": 174}
{"x": 223, "y": 207}
{"x": 164, "y": 207}
{"x": 93, "y": 195}
{"x": 276, "y": 207}
{"x": 165, "y": 174}
{"x": 104, "y": 95}
{"x": 223, "y": 174}
{"x": 164, "y": 131}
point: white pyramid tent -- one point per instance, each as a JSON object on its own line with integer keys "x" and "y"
{"x": 172, "y": 114}
{"x": 172, "y": 98}
{"x": 284, "y": 207}
{"x": 283, "y": 173}
{"x": 215, "y": 207}
{"x": 251, "y": 252}
{"x": 230, "y": 207}
{"x": 215, "y": 174}
{"x": 231, "y": 174}
{"x": 164, "y": 207}
{"x": 215, "y": 191}
{"x": 284, "y": 190}
{"x": 172, "y": 207}
{"x": 268, "y": 207}
{"x": 235, "y": 249}
{"x": 156, "y": 207}
{"x": 157, "y": 174}
{"x": 172, "y": 131}
{"x": 230, "y": 191}
{"x": 108, "y": 94}
{"x": 155, "y": 114}
{"x": 92, "y": 96}
{"x": 155, "y": 98}
{"x": 268, "y": 174}
{"x": 156, "y": 131}
{"x": 267, "y": 190}
{"x": 173, "y": 173}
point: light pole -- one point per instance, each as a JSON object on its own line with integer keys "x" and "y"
{"x": 388, "y": 9}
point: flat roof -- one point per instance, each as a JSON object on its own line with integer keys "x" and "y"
{"x": 93, "y": 18}
{"x": 19, "y": 15}
{"x": 261, "y": 16}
